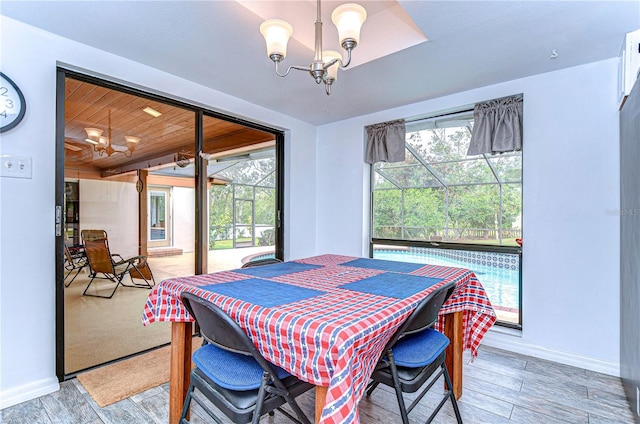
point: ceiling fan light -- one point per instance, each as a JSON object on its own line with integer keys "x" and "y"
{"x": 132, "y": 142}
{"x": 328, "y": 56}
{"x": 349, "y": 18}
{"x": 276, "y": 34}
{"x": 93, "y": 134}
{"x": 131, "y": 139}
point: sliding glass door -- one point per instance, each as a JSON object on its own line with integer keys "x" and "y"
{"x": 127, "y": 167}
{"x": 242, "y": 198}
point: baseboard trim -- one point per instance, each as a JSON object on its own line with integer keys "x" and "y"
{"x": 511, "y": 341}
{"x": 28, "y": 392}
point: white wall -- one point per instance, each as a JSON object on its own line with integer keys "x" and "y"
{"x": 111, "y": 206}
{"x": 27, "y": 278}
{"x": 570, "y": 182}
{"x": 120, "y": 201}
{"x": 184, "y": 211}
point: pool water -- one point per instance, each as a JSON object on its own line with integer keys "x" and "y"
{"x": 501, "y": 282}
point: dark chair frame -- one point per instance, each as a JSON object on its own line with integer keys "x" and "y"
{"x": 75, "y": 261}
{"x": 219, "y": 329}
{"x": 261, "y": 262}
{"x": 112, "y": 267}
{"x": 409, "y": 379}
{"x": 142, "y": 270}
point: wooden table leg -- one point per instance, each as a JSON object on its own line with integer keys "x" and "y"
{"x": 321, "y": 395}
{"x": 453, "y": 330}
{"x": 181, "y": 334}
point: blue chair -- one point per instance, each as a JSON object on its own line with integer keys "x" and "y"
{"x": 231, "y": 373}
{"x": 416, "y": 354}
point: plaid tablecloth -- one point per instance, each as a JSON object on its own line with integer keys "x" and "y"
{"x": 326, "y": 319}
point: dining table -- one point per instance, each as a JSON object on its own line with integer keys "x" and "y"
{"x": 325, "y": 319}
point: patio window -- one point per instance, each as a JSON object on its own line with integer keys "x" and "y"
{"x": 242, "y": 201}
{"x": 439, "y": 199}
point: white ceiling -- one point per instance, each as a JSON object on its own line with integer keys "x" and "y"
{"x": 218, "y": 44}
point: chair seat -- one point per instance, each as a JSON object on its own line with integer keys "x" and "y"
{"x": 241, "y": 403}
{"x": 419, "y": 349}
{"x": 233, "y": 371}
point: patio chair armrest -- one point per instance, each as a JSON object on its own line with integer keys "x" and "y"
{"x": 117, "y": 256}
{"x": 130, "y": 260}
{"x": 136, "y": 258}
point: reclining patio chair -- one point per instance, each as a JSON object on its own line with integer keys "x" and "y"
{"x": 232, "y": 374}
{"x": 74, "y": 260}
{"x": 142, "y": 271}
{"x": 112, "y": 267}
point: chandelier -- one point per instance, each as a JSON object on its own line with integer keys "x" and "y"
{"x": 347, "y": 18}
{"x": 103, "y": 145}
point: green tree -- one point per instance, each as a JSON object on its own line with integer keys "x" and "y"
{"x": 473, "y": 190}
{"x": 243, "y": 176}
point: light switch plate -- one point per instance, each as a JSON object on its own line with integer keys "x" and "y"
{"x": 15, "y": 166}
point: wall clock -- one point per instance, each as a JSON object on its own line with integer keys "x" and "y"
{"x": 12, "y": 104}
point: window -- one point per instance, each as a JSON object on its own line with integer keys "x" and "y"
{"x": 158, "y": 215}
{"x": 439, "y": 199}
{"x": 242, "y": 201}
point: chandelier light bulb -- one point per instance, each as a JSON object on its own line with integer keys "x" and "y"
{"x": 276, "y": 34}
{"x": 332, "y": 71}
{"x": 132, "y": 142}
{"x": 93, "y": 134}
{"x": 131, "y": 139}
{"x": 349, "y": 18}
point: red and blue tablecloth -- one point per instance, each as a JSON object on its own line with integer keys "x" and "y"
{"x": 326, "y": 319}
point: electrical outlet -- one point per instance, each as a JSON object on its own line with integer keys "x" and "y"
{"x": 15, "y": 166}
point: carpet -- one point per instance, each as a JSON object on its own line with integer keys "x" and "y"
{"x": 123, "y": 379}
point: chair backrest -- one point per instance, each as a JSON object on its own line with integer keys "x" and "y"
{"x": 426, "y": 313}
{"x": 67, "y": 254}
{"x": 99, "y": 256}
{"x": 93, "y": 235}
{"x": 261, "y": 262}
{"x": 216, "y": 326}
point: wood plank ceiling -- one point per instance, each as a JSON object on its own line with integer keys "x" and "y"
{"x": 163, "y": 139}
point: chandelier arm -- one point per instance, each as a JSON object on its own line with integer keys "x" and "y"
{"x": 344, "y": 65}
{"x": 298, "y": 68}
{"x": 330, "y": 63}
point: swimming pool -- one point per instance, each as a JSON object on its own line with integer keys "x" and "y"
{"x": 498, "y": 272}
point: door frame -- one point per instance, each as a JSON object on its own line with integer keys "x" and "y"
{"x": 201, "y": 221}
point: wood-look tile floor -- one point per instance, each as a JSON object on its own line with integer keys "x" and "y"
{"x": 499, "y": 387}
